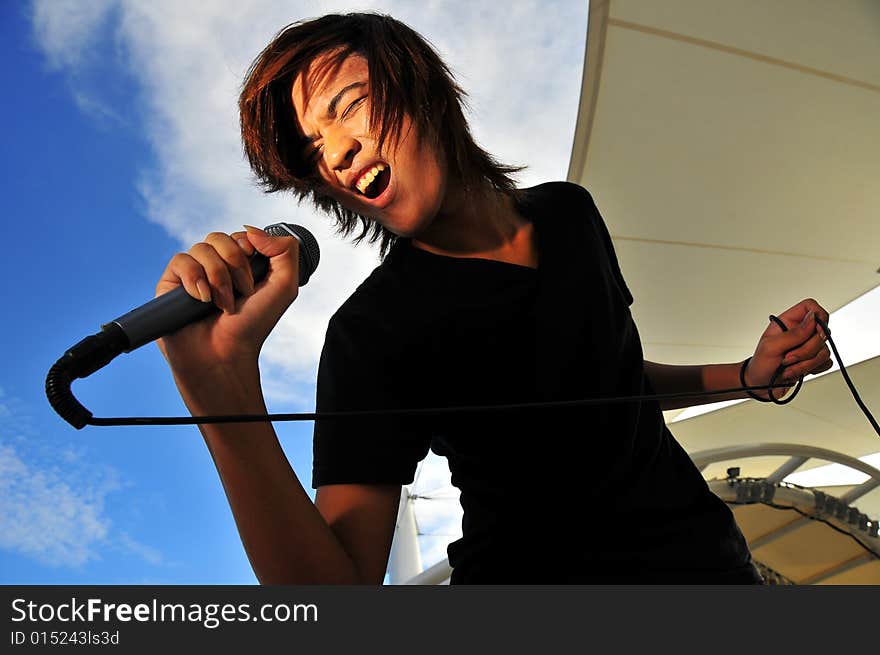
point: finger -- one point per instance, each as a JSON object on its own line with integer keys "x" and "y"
{"x": 806, "y": 351}
{"x": 812, "y": 306}
{"x": 217, "y": 273}
{"x": 793, "y": 338}
{"x": 232, "y": 253}
{"x": 819, "y": 363}
{"x": 796, "y": 313}
{"x": 268, "y": 245}
{"x": 820, "y": 312}
{"x": 283, "y": 253}
{"x": 185, "y": 271}
{"x": 821, "y": 369}
{"x": 241, "y": 239}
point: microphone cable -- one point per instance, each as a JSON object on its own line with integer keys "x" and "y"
{"x": 84, "y": 417}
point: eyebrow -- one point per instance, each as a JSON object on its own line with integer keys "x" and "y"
{"x": 331, "y": 107}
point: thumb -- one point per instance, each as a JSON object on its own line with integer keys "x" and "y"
{"x": 268, "y": 245}
{"x": 796, "y": 335}
{"x": 283, "y": 254}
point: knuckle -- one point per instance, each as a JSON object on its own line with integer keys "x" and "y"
{"x": 185, "y": 266}
{"x": 238, "y": 259}
{"x": 216, "y": 272}
{"x": 201, "y": 248}
{"x": 227, "y": 249}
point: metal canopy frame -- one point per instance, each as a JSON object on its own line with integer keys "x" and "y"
{"x": 811, "y": 504}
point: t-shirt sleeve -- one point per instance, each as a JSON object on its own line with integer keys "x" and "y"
{"x": 361, "y": 370}
{"x": 605, "y": 238}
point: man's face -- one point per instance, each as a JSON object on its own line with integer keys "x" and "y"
{"x": 410, "y": 184}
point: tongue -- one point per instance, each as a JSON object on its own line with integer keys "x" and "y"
{"x": 379, "y": 184}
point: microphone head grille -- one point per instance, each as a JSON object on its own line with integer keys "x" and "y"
{"x": 309, "y": 252}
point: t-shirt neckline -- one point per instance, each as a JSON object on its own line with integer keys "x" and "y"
{"x": 466, "y": 261}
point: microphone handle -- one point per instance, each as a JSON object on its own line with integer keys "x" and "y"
{"x": 173, "y": 310}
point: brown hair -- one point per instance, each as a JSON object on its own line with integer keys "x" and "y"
{"x": 407, "y": 78}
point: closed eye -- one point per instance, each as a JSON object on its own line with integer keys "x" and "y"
{"x": 352, "y": 105}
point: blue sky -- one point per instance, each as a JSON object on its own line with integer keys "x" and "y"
{"x": 109, "y": 505}
{"x": 121, "y": 149}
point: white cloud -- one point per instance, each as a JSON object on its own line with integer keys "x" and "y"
{"x": 52, "y": 506}
{"x": 45, "y": 516}
{"x": 65, "y": 28}
{"x": 98, "y": 110}
{"x": 149, "y": 554}
{"x": 53, "y": 495}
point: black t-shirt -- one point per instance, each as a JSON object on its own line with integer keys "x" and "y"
{"x": 589, "y": 494}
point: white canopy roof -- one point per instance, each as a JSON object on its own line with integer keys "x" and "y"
{"x": 733, "y": 149}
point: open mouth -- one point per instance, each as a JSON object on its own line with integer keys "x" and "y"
{"x": 373, "y": 184}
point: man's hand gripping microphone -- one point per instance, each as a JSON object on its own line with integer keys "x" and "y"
{"x": 160, "y": 316}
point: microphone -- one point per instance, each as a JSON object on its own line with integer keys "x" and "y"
{"x": 160, "y": 316}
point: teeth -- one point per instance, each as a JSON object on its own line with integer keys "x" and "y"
{"x": 368, "y": 177}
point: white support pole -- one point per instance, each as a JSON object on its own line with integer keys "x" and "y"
{"x": 440, "y": 573}
{"x": 405, "y": 561}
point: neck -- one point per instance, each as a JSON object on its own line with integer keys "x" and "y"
{"x": 482, "y": 224}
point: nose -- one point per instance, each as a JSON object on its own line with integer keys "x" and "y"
{"x": 340, "y": 149}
